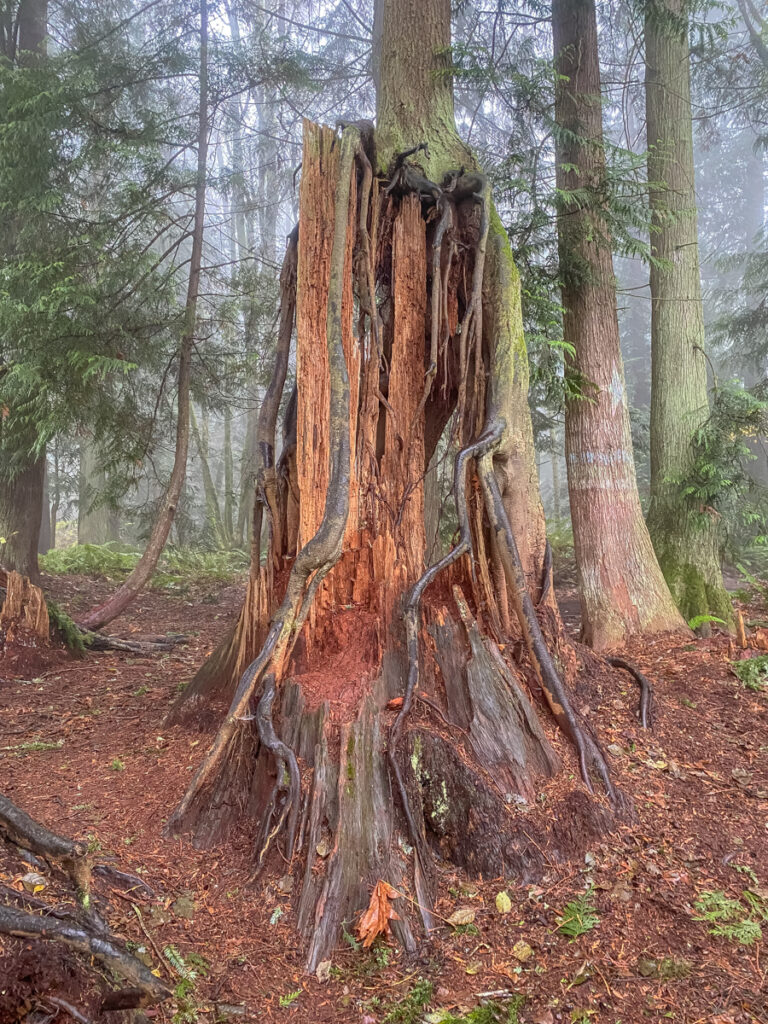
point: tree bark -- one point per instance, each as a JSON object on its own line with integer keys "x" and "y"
{"x": 686, "y": 535}
{"x": 95, "y": 519}
{"x": 140, "y": 576}
{"x": 212, "y": 508}
{"x": 621, "y": 587}
{"x": 21, "y": 509}
{"x": 21, "y": 474}
{"x": 44, "y": 539}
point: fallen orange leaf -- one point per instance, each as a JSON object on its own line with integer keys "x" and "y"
{"x": 375, "y": 920}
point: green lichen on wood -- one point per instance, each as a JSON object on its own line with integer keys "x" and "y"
{"x": 693, "y": 594}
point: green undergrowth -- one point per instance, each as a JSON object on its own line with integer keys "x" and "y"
{"x": 413, "y": 1008}
{"x": 738, "y": 920}
{"x": 752, "y": 673}
{"x": 579, "y": 916}
{"x": 495, "y": 1012}
{"x": 177, "y": 566}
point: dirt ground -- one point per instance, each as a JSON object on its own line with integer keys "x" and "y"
{"x": 83, "y": 748}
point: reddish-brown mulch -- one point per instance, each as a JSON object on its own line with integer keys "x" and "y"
{"x": 699, "y": 782}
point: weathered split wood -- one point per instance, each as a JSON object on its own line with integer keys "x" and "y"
{"x": 24, "y": 608}
{"x": 322, "y": 551}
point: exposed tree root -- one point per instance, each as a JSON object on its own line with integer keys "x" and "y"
{"x": 24, "y": 831}
{"x": 90, "y": 935}
{"x": 284, "y": 756}
{"x": 151, "y": 645}
{"x": 266, "y": 478}
{"x": 412, "y": 618}
{"x": 546, "y": 575}
{"x": 646, "y": 689}
{"x": 589, "y": 753}
{"x": 147, "y": 990}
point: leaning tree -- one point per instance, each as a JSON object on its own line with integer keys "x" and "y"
{"x": 373, "y": 720}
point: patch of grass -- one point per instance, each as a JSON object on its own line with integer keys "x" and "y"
{"x": 34, "y": 747}
{"x": 579, "y": 916}
{"x": 410, "y": 1008}
{"x": 752, "y": 673}
{"x": 737, "y": 920}
{"x": 177, "y": 568}
{"x": 494, "y": 1012}
{"x": 117, "y": 765}
{"x": 141, "y": 691}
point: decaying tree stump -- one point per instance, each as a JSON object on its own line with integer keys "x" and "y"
{"x": 374, "y": 726}
{"x": 23, "y": 613}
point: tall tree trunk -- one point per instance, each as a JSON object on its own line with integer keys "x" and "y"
{"x": 554, "y": 442}
{"x": 44, "y": 540}
{"x": 212, "y": 508}
{"x": 21, "y": 508}
{"x": 621, "y": 587}
{"x": 686, "y": 535}
{"x": 229, "y": 482}
{"x": 21, "y": 474}
{"x": 94, "y": 518}
{"x": 161, "y": 528}
{"x": 55, "y": 495}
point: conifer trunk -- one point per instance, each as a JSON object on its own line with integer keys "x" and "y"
{"x": 686, "y": 535}
{"x": 21, "y": 510}
{"x": 621, "y": 587}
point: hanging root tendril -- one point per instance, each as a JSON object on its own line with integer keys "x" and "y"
{"x": 546, "y": 575}
{"x": 646, "y": 689}
{"x": 289, "y": 813}
{"x": 412, "y": 617}
{"x": 589, "y": 753}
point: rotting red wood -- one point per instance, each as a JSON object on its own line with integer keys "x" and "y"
{"x": 24, "y": 609}
{"x": 403, "y": 461}
{"x": 320, "y": 170}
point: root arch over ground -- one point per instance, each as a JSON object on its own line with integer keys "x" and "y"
{"x": 376, "y": 726}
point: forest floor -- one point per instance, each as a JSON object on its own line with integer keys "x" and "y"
{"x": 84, "y": 750}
